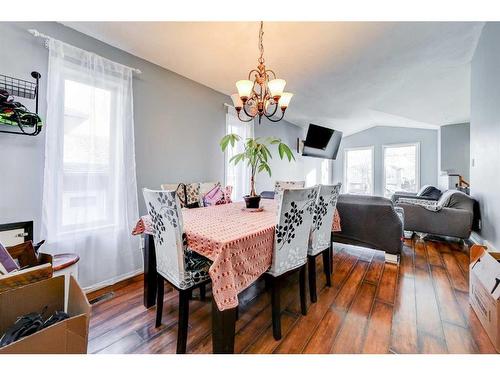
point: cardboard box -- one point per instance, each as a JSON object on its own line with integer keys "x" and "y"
{"x": 484, "y": 290}
{"x": 67, "y": 337}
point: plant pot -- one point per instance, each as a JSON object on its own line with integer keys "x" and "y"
{"x": 252, "y": 202}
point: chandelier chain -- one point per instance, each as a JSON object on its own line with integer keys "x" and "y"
{"x": 261, "y": 42}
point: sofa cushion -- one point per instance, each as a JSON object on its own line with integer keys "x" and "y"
{"x": 456, "y": 199}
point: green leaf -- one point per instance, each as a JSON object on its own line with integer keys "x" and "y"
{"x": 275, "y": 141}
{"x": 285, "y": 150}
{"x": 281, "y": 150}
{"x": 264, "y": 166}
{"x": 229, "y": 139}
{"x": 237, "y": 158}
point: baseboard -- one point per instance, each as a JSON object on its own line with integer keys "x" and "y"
{"x": 96, "y": 291}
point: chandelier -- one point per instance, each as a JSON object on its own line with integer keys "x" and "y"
{"x": 262, "y": 96}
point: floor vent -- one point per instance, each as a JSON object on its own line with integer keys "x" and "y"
{"x": 102, "y": 298}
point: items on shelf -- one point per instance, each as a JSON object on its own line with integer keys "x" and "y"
{"x": 15, "y": 114}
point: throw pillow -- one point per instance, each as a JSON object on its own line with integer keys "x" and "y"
{"x": 430, "y": 192}
{"x": 191, "y": 198}
{"x": 213, "y": 196}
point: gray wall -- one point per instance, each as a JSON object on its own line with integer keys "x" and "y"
{"x": 178, "y": 122}
{"x": 281, "y": 169}
{"x": 455, "y": 149}
{"x": 385, "y": 135}
{"x": 485, "y": 131}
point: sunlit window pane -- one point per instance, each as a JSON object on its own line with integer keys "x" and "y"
{"x": 359, "y": 171}
{"x": 400, "y": 169}
{"x": 87, "y": 191}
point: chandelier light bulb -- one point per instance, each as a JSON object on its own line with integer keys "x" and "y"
{"x": 276, "y": 87}
{"x": 245, "y": 88}
{"x": 238, "y": 104}
{"x": 285, "y": 100}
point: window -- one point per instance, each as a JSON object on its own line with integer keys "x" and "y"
{"x": 87, "y": 167}
{"x": 238, "y": 176}
{"x": 90, "y": 198}
{"x": 358, "y": 171}
{"x": 401, "y": 168}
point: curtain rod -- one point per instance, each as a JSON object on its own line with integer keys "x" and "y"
{"x": 38, "y": 34}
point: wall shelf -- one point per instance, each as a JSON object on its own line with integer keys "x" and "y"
{"x": 26, "y": 123}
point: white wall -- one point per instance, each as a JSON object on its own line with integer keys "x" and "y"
{"x": 386, "y": 135}
{"x": 302, "y": 169}
{"x": 455, "y": 149}
{"x": 485, "y": 131}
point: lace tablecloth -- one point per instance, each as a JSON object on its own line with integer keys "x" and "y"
{"x": 239, "y": 243}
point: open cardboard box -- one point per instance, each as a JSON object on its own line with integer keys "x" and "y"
{"x": 484, "y": 293}
{"x": 67, "y": 337}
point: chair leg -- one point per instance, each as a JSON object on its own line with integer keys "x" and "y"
{"x": 331, "y": 256}
{"x": 326, "y": 267}
{"x": 160, "y": 287}
{"x": 276, "y": 308}
{"x": 312, "y": 278}
{"x": 182, "y": 329}
{"x": 203, "y": 292}
{"x": 302, "y": 286}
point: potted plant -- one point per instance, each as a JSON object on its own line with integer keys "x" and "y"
{"x": 257, "y": 155}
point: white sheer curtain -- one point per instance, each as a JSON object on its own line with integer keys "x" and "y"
{"x": 90, "y": 189}
{"x": 238, "y": 176}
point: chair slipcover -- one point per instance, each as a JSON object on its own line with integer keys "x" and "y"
{"x": 174, "y": 261}
{"x": 324, "y": 210}
{"x": 291, "y": 242}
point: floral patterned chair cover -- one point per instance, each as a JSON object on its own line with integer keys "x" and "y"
{"x": 177, "y": 263}
{"x": 324, "y": 210}
{"x": 281, "y": 185}
{"x": 295, "y": 212}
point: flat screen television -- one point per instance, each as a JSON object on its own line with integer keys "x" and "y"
{"x": 322, "y": 142}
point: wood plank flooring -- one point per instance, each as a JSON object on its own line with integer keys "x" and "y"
{"x": 420, "y": 306}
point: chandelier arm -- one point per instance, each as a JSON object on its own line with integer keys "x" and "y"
{"x": 271, "y": 71}
{"x": 242, "y": 120}
{"x": 274, "y": 112}
{"x": 277, "y": 120}
{"x": 250, "y": 73}
{"x": 246, "y": 113}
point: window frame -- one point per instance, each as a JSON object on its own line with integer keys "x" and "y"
{"x": 417, "y": 158}
{"x": 372, "y": 150}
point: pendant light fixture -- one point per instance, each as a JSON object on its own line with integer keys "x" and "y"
{"x": 262, "y": 94}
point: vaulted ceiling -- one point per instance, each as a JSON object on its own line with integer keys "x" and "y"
{"x": 346, "y": 75}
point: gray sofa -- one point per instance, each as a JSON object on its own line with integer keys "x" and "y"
{"x": 370, "y": 221}
{"x": 452, "y": 215}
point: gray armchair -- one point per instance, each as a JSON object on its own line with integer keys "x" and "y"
{"x": 452, "y": 216}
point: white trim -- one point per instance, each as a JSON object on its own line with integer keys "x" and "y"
{"x": 417, "y": 158}
{"x": 346, "y": 150}
{"x": 113, "y": 281}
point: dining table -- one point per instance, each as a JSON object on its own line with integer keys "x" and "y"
{"x": 239, "y": 242}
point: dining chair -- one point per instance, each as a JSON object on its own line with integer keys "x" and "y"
{"x": 321, "y": 235}
{"x": 184, "y": 269}
{"x": 281, "y": 185}
{"x": 291, "y": 240}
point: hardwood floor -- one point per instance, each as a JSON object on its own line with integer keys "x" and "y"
{"x": 420, "y": 306}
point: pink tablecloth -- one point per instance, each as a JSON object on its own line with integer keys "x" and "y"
{"x": 239, "y": 243}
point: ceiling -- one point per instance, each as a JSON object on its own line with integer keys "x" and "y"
{"x": 346, "y": 75}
